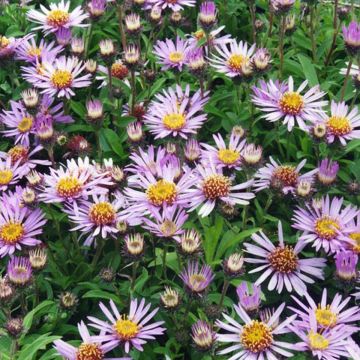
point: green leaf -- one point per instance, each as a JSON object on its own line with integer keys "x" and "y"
{"x": 101, "y": 294}
{"x": 308, "y": 70}
{"x": 29, "y": 351}
{"x": 41, "y": 308}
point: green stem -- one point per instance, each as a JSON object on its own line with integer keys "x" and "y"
{"x": 164, "y": 262}
{"x": 281, "y": 45}
{"x": 354, "y": 98}
{"x": 14, "y": 348}
{"x": 187, "y": 310}
{"x": 100, "y": 245}
{"x": 98, "y": 144}
{"x": 87, "y": 39}
{"x": 133, "y": 92}
{"x": 342, "y": 94}
{"x": 312, "y": 31}
{"x": 336, "y": 31}
{"x": 223, "y": 292}
{"x": 120, "y": 13}
{"x": 133, "y": 276}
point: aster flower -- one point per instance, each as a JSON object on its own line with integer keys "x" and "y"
{"x": 176, "y": 113}
{"x": 329, "y": 344}
{"x": 213, "y": 186}
{"x": 19, "y": 226}
{"x": 203, "y": 335}
{"x": 61, "y": 77}
{"x": 326, "y": 226}
{"x": 8, "y": 46}
{"x": 225, "y": 156}
{"x": 282, "y": 177}
{"x": 95, "y": 218}
{"x": 18, "y": 271}
{"x": 57, "y": 17}
{"x": 256, "y": 339}
{"x": 232, "y": 57}
{"x": 197, "y": 279}
{"x": 131, "y": 329}
{"x": 213, "y": 39}
{"x": 174, "y": 5}
{"x": 76, "y": 181}
{"x": 289, "y": 104}
{"x": 172, "y": 55}
{"x": 88, "y": 349}
{"x": 249, "y": 296}
{"x": 54, "y": 112}
{"x": 118, "y": 70}
{"x": 10, "y": 173}
{"x": 341, "y": 125}
{"x": 167, "y": 223}
{"x": 207, "y": 14}
{"x": 327, "y": 171}
{"x": 19, "y": 122}
{"x": 282, "y": 264}
{"x": 351, "y": 36}
{"x": 96, "y": 8}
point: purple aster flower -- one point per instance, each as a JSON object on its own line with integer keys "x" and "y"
{"x": 96, "y": 8}
{"x": 19, "y": 122}
{"x": 281, "y": 177}
{"x": 176, "y": 113}
{"x": 52, "y": 111}
{"x": 166, "y": 223}
{"x": 19, "y": 226}
{"x": 327, "y": 171}
{"x": 346, "y": 265}
{"x": 249, "y": 296}
{"x": 132, "y": 329}
{"x": 29, "y": 51}
{"x": 326, "y": 226}
{"x": 207, "y": 14}
{"x": 289, "y": 104}
{"x": 57, "y": 17}
{"x": 329, "y": 344}
{"x": 197, "y": 279}
{"x": 63, "y": 36}
{"x": 327, "y": 315}
{"x": 8, "y": 46}
{"x": 172, "y": 55}
{"x": 192, "y": 150}
{"x": 212, "y": 186}
{"x": 10, "y": 174}
{"x": 282, "y": 264}
{"x": 88, "y": 349}
{"x": 351, "y": 36}
{"x": 19, "y": 271}
{"x": 174, "y": 5}
{"x": 342, "y": 125}
{"x": 97, "y": 217}
{"x": 256, "y": 339}
{"x": 213, "y": 39}
{"x": 203, "y": 335}
{"x": 76, "y": 181}
{"x": 232, "y": 58}
{"x": 223, "y": 156}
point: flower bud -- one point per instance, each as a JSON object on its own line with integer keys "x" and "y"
{"x": 203, "y": 335}
{"x": 38, "y": 258}
{"x": 14, "y": 327}
{"x": 233, "y": 265}
{"x": 170, "y": 298}
{"x": 30, "y": 98}
{"x": 207, "y": 15}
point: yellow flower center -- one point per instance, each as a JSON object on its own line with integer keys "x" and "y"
{"x": 200, "y": 34}
{"x": 6, "y": 176}
{"x": 291, "y": 103}
{"x": 286, "y": 174}
{"x": 168, "y": 228}
{"x": 326, "y": 227}
{"x": 4, "y": 41}
{"x": 34, "y": 51}
{"x": 197, "y": 282}
{"x": 89, "y": 352}
{"x": 11, "y": 232}
{"x": 338, "y": 125}
{"x": 174, "y": 121}
{"x": 57, "y": 17}
{"x": 283, "y": 260}
{"x": 228, "y": 156}
{"x": 102, "y": 213}
{"x": 25, "y": 124}
{"x": 126, "y": 329}
{"x": 17, "y": 153}
{"x": 356, "y": 238}
{"x": 215, "y": 186}
{"x": 68, "y": 187}
{"x": 256, "y": 336}
{"x": 162, "y": 191}
{"x": 176, "y": 57}
{"x": 236, "y": 61}
{"x": 61, "y": 79}
{"x": 325, "y": 316}
{"x": 317, "y": 341}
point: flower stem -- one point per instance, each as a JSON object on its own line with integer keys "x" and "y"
{"x": 133, "y": 92}
{"x": 312, "y": 31}
{"x": 336, "y": 31}
{"x": 100, "y": 245}
{"x": 164, "y": 262}
{"x": 14, "y": 348}
{"x": 281, "y": 45}
{"x": 120, "y": 13}
{"x": 133, "y": 276}
{"x": 252, "y": 8}
{"x": 346, "y": 80}
{"x": 223, "y": 292}
{"x": 98, "y": 145}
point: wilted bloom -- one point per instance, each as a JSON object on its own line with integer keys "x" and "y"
{"x": 284, "y": 102}
{"x": 95, "y": 111}
{"x": 119, "y": 70}
{"x": 282, "y": 264}
{"x": 176, "y": 113}
{"x": 212, "y": 186}
{"x": 134, "y": 245}
{"x": 77, "y": 46}
{"x": 174, "y": 5}
{"x": 131, "y": 329}
{"x": 176, "y": 17}
{"x": 327, "y": 227}
{"x": 233, "y": 265}
{"x": 207, "y": 14}
{"x": 197, "y": 279}
{"x": 57, "y": 17}
{"x": 68, "y": 300}
{"x": 14, "y": 326}
{"x": 351, "y": 36}
{"x": 346, "y": 262}
{"x": 89, "y": 349}
{"x": 107, "y": 275}
{"x": 38, "y": 258}
{"x": 96, "y": 8}
{"x": 135, "y": 131}
{"x": 170, "y": 298}
{"x": 19, "y": 271}
{"x": 78, "y": 146}
{"x": 232, "y": 58}
{"x": 256, "y": 339}
{"x": 132, "y": 56}
{"x": 132, "y": 23}
{"x": 189, "y": 242}
{"x": 203, "y": 335}
{"x": 281, "y": 177}
{"x": 6, "y": 290}
{"x": 282, "y": 6}
{"x": 192, "y": 150}
{"x": 328, "y": 170}
{"x": 172, "y": 55}
{"x": 251, "y": 154}
{"x": 249, "y": 296}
